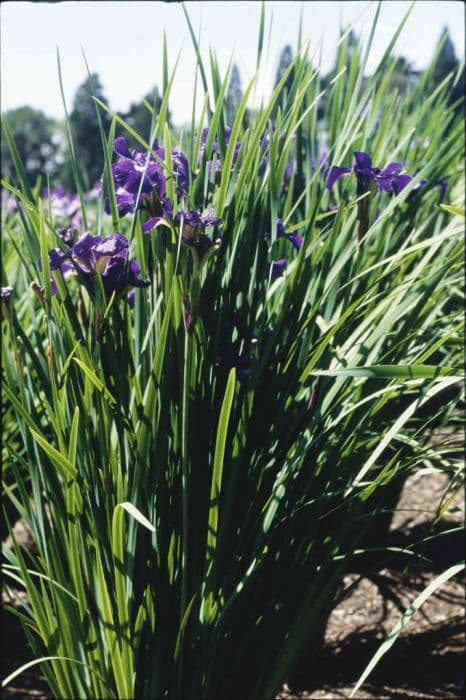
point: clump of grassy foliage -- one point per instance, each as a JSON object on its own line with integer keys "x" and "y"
{"x": 200, "y": 468}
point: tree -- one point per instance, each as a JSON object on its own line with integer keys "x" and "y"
{"x": 86, "y": 133}
{"x": 234, "y": 95}
{"x": 404, "y": 76}
{"x": 36, "y": 139}
{"x": 447, "y": 62}
{"x": 286, "y": 58}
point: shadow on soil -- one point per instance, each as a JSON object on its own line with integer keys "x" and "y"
{"x": 427, "y": 664}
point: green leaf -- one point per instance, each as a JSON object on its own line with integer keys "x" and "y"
{"x": 137, "y": 515}
{"x": 63, "y": 465}
{"x": 226, "y": 169}
{"x": 220, "y": 443}
{"x": 453, "y": 210}
{"x": 397, "y": 425}
{"x": 392, "y": 372}
{"x": 99, "y": 385}
{"x": 34, "y": 662}
{"x": 74, "y": 437}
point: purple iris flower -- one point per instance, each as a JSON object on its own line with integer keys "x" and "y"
{"x": 366, "y": 174}
{"x": 63, "y": 205}
{"x": 400, "y": 182}
{"x": 126, "y": 202}
{"x": 98, "y": 255}
{"x": 278, "y": 268}
{"x": 295, "y": 239}
{"x": 68, "y": 235}
{"x": 181, "y": 170}
{"x": 193, "y": 236}
{"x": 216, "y": 151}
{"x": 135, "y": 172}
{"x": 59, "y": 260}
{"x": 137, "y": 169}
{"x": 202, "y": 247}
{"x": 193, "y": 222}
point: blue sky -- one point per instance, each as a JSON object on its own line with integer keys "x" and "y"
{"x": 123, "y": 43}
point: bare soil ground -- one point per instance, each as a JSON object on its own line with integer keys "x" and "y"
{"x": 426, "y": 661}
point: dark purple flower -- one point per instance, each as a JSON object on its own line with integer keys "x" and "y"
{"x": 335, "y": 174}
{"x": 112, "y": 245}
{"x": 202, "y": 248}
{"x": 97, "y": 255}
{"x": 366, "y": 174}
{"x": 216, "y": 150}
{"x": 154, "y": 222}
{"x": 136, "y": 173}
{"x": 68, "y": 235}
{"x": 181, "y": 170}
{"x": 193, "y": 222}
{"x": 443, "y": 186}
{"x": 401, "y": 181}
{"x": 126, "y": 202}
{"x": 58, "y": 260}
{"x": 132, "y": 174}
{"x": 295, "y": 239}
{"x": 119, "y": 274}
{"x": 278, "y": 268}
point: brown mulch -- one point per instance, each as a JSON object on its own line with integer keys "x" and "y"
{"x": 426, "y": 661}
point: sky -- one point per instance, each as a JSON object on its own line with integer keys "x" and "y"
{"x": 122, "y": 42}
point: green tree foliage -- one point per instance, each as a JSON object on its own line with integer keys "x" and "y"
{"x": 447, "y": 62}
{"x": 86, "y": 134}
{"x": 37, "y": 142}
{"x": 234, "y": 95}
{"x": 286, "y": 58}
{"x": 404, "y": 76}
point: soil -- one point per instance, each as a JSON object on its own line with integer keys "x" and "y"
{"x": 426, "y": 661}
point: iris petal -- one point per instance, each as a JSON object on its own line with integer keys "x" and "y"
{"x": 335, "y": 174}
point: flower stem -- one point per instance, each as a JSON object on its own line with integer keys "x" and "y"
{"x": 363, "y": 218}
